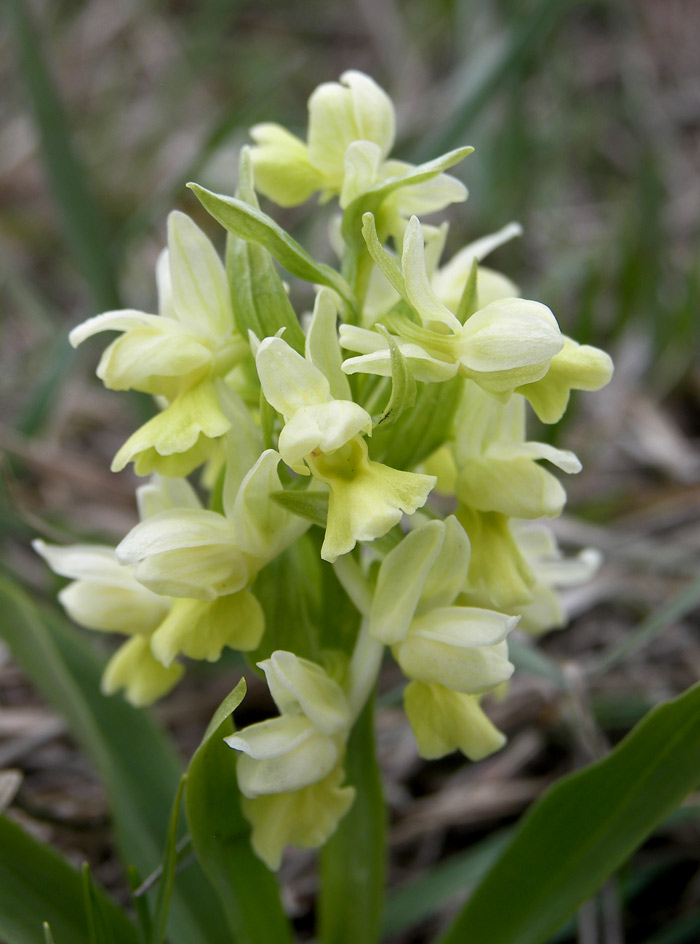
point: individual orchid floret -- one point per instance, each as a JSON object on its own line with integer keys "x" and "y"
{"x": 436, "y": 641}
{"x": 106, "y": 596}
{"x": 498, "y": 470}
{"x": 288, "y": 171}
{"x": 414, "y": 611}
{"x": 180, "y": 355}
{"x": 508, "y": 343}
{"x": 448, "y": 281}
{"x": 552, "y": 571}
{"x": 350, "y": 134}
{"x": 203, "y": 555}
{"x": 290, "y": 767}
{"x": 323, "y": 435}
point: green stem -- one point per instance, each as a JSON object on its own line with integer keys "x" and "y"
{"x": 364, "y": 668}
{"x": 353, "y": 861}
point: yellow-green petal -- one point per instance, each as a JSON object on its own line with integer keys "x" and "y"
{"x": 201, "y": 629}
{"x": 444, "y": 721}
{"x": 306, "y": 818}
{"x": 134, "y": 668}
{"x": 283, "y": 172}
{"x": 366, "y": 498}
{"x": 180, "y": 430}
{"x": 576, "y": 367}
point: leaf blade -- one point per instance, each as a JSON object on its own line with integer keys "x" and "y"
{"x": 584, "y": 827}
{"x": 221, "y": 837}
{"x": 133, "y": 756}
{"x": 39, "y": 888}
{"x": 252, "y": 225}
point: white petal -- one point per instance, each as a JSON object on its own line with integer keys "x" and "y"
{"x": 298, "y": 683}
{"x": 418, "y": 289}
{"x": 324, "y": 427}
{"x": 282, "y": 755}
{"x": 162, "y": 493}
{"x": 165, "y": 286}
{"x": 448, "y": 575}
{"x": 463, "y": 626}
{"x": 400, "y": 582}
{"x": 361, "y": 164}
{"x": 122, "y": 320}
{"x": 112, "y": 608}
{"x": 200, "y": 289}
{"x": 288, "y": 380}
{"x": 507, "y": 334}
{"x": 467, "y": 670}
{"x": 96, "y": 562}
{"x": 563, "y": 459}
{"x": 322, "y": 348}
{"x": 263, "y": 528}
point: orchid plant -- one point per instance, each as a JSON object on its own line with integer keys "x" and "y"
{"x": 362, "y": 487}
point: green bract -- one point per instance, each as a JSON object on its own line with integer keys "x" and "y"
{"x": 304, "y": 544}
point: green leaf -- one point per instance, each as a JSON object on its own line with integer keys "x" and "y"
{"x": 353, "y": 860}
{"x": 167, "y": 877}
{"x": 225, "y": 710}
{"x": 389, "y": 265}
{"x": 83, "y": 223}
{"x": 221, "y": 837}
{"x": 311, "y": 505}
{"x": 254, "y": 226}
{"x": 584, "y": 828}
{"x": 140, "y": 904}
{"x": 469, "y": 297}
{"x": 403, "y": 384}
{"x": 138, "y": 764}
{"x": 260, "y": 302}
{"x": 420, "y": 430}
{"x": 38, "y": 887}
{"x": 99, "y": 928}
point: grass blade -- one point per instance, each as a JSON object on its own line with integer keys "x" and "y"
{"x": 82, "y": 220}
{"x": 135, "y": 759}
{"x": 221, "y": 837}
{"x": 39, "y": 890}
{"x": 423, "y": 896}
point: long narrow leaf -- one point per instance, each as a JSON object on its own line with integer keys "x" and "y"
{"x": 253, "y": 225}
{"x": 137, "y": 762}
{"x": 221, "y": 838}
{"x": 82, "y": 220}
{"x": 259, "y": 300}
{"x": 584, "y": 828}
{"x": 38, "y": 887}
{"x": 167, "y": 879}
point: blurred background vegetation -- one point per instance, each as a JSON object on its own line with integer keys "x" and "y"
{"x": 586, "y": 121}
